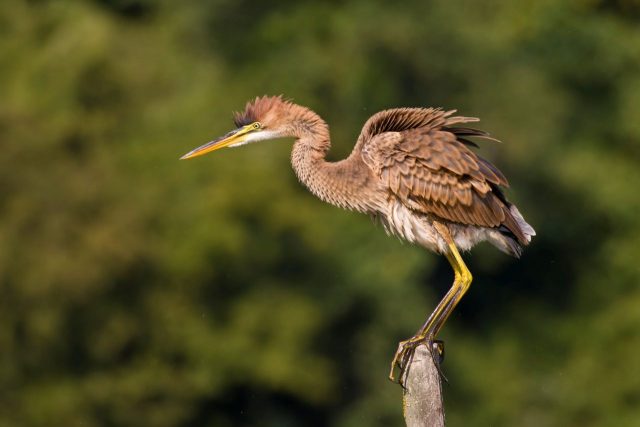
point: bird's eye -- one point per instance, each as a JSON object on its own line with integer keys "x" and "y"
{"x": 257, "y": 125}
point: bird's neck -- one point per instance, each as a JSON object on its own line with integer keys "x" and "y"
{"x": 343, "y": 183}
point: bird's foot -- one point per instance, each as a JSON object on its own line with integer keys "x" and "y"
{"x": 404, "y": 355}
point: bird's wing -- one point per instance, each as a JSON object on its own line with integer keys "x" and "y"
{"x": 430, "y": 167}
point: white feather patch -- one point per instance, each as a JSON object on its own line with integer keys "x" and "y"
{"x": 256, "y": 136}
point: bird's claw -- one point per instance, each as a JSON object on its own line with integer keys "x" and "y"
{"x": 404, "y": 355}
{"x": 437, "y": 351}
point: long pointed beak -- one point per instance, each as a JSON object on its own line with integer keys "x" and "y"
{"x": 234, "y": 137}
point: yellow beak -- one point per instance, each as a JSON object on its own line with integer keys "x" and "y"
{"x": 234, "y": 137}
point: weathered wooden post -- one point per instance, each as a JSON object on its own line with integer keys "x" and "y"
{"x": 422, "y": 394}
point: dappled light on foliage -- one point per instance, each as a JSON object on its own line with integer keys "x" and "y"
{"x": 139, "y": 290}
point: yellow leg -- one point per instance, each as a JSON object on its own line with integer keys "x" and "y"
{"x": 443, "y": 310}
{"x": 465, "y": 283}
{"x": 446, "y": 300}
{"x": 405, "y": 348}
{"x": 460, "y": 286}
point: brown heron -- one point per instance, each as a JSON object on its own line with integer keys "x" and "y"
{"x": 411, "y": 168}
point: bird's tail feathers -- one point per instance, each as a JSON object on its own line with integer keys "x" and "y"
{"x": 512, "y": 236}
{"x": 526, "y": 229}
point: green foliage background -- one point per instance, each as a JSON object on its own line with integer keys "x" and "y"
{"x": 137, "y": 290}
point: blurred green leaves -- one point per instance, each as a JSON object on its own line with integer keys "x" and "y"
{"x": 139, "y": 290}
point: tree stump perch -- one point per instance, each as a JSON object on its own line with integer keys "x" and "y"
{"x": 422, "y": 403}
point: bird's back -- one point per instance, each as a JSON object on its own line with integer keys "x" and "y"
{"x": 423, "y": 160}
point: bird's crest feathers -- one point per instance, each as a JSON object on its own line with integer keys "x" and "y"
{"x": 257, "y": 109}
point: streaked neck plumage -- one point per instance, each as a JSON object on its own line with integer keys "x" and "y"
{"x": 343, "y": 183}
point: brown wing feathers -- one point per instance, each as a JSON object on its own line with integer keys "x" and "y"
{"x": 427, "y": 163}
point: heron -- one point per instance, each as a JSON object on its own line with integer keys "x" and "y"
{"x": 412, "y": 169}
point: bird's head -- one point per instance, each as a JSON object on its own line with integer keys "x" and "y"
{"x": 262, "y": 119}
